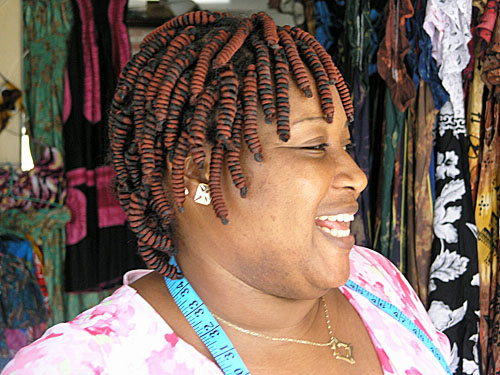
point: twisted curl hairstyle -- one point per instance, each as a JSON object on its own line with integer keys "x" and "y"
{"x": 200, "y": 78}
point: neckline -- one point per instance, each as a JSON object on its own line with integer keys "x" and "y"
{"x": 378, "y": 348}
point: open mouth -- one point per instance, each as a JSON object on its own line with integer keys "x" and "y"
{"x": 335, "y": 225}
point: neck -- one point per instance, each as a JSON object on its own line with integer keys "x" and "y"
{"x": 246, "y": 306}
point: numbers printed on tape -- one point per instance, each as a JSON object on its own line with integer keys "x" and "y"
{"x": 402, "y": 318}
{"x": 205, "y": 326}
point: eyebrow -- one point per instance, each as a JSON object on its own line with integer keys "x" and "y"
{"x": 314, "y": 118}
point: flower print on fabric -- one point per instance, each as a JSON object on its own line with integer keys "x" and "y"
{"x": 443, "y": 317}
{"x": 453, "y": 288}
{"x": 447, "y": 165}
{"x": 445, "y": 216}
{"x": 447, "y": 266}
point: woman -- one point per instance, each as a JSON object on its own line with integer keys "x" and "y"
{"x": 193, "y": 130}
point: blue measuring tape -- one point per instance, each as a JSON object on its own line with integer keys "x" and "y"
{"x": 223, "y": 351}
{"x": 205, "y": 326}
{"x": 401, "y": 318}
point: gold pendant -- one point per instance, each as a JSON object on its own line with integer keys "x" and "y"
{"x": 342, "y": 351}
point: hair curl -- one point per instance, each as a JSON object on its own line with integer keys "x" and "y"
{"x": 199, "y": 78}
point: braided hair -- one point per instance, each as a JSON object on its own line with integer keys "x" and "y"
{"x": 200, "y": 78}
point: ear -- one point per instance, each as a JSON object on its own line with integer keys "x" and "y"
{"x": 193, "y": 174}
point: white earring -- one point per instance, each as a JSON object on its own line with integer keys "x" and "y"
{"x": 202, "y": 195}
{"x": 186, "y": 191}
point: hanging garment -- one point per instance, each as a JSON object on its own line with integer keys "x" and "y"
{"x": 20, "y": 248}
{"x": 491, "y": 65}
{"x": 47, "y": 227}
{"x": 485, "y": 28}
{"x": 39, "y": 270}
{"x": 376, "y": 22}
{"x": 453, "y": 279}
{"x": 398, "y": 217}
{"x": 332, "y": 14}
{"x": 420, "y": 208}
{"x": 474, "y": 88}
{"x": 47, "y": 25}
{"x": 40, "y": 187}
{"x": 474, "y": 116}
{"x": 323, "y": 24}
{"x": 490, "y": 236}
{"x": 392, "y": 51}
{"x": 480, "y": 5}
{"x": 97, "y": 235}
{"x": 448, "y": 24}
{"x": 425, "y": 66}
{"x": 477, "y": 13}
{"x": 487, "y": 216}
{"x": 394, "y": 127}
{"x": 23, "y": 314}
{"x": 360, "y": 136}
{"x": 358, "y": 35}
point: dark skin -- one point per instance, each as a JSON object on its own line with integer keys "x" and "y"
{"x": 267, "y": 269}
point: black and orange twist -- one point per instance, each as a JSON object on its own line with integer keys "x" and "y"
{"x": 321, "y": 78}
{"x": 196, "y": 83}
{"x": 215, "y": 183}
{"x": 250, "y": 102}
{"x": 234, "y": 44}
{"x": 281, "y": 82}
{"x": 198, "y": 129}
{"x": 171, "y": 117}
{"x": 178, "y": 162}
{"x": 298, "y": 68}
{"x": 270, "y": 33}
{"x": 265, "y": 83}
{"x": 233, "y": 155}
{"x": 206, "y": 55}
{"x": 227, "y": 111}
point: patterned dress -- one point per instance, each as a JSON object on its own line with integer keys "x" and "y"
{"x": 125, "y": 335}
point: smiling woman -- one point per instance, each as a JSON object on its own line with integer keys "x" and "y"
{"x": 230, "y": 145}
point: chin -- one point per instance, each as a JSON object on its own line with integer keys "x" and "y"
{"x": 332, "y": 274}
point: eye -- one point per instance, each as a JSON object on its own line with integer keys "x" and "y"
{"x": 320, "y": 147}
{"x": 349, "y": 148}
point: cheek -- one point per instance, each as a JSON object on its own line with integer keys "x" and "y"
{"x": 279, "y": 195}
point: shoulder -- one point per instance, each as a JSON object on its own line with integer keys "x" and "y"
{"x": 379, "y": 276}
{"x": 375, "y": 272}
{"x": 90, "y": 342}
{"x": 122, "y": 335}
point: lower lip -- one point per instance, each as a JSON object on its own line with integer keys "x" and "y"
{"x": 345, "y": 243}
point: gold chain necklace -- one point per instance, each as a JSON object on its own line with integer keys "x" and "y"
{"x": 341, "y": 350}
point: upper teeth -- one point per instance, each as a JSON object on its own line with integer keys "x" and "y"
{"x": 341, "y": 217}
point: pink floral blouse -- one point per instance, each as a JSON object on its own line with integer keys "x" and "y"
{"x": 125, "y": 335}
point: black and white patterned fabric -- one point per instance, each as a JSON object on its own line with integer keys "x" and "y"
{"x": 454, "y": 274}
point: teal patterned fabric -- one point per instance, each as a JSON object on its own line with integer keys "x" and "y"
{"x": 48, "y": 229}
{"x": 47, "y": 26}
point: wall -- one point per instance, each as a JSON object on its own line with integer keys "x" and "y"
{"x": 11, "y": 68}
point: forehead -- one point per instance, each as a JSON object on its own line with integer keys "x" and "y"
{"x": 302, "y": 107}
{"x": 307, "y": 112}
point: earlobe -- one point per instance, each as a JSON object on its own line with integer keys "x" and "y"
{"x": 202, "y": 194}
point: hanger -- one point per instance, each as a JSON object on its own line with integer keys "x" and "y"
{"x": 10, "y": 193}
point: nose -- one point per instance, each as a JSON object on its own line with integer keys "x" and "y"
{"x": 349, "y": 176}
